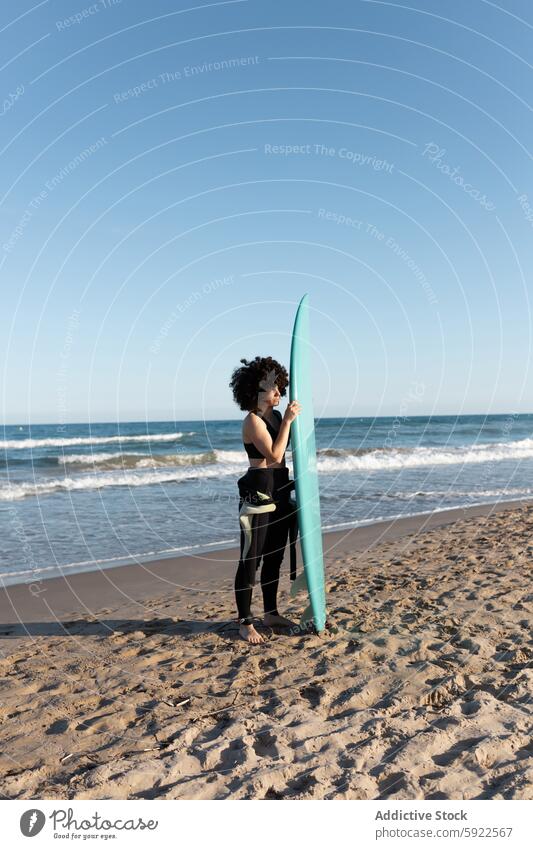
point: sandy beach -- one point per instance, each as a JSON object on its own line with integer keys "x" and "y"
{"x": 133, "y": 682}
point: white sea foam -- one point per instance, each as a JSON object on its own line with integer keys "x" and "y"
{"x": 382, "y": 459}
{"x": 69, "y": 441}
{"x": 94, "y": 458}
{"x": 509, "y": 492}
{"x": 129, "y": 460}
{"x": 88, "y": 481}
{"x": 231, "y": 457}
{"x": 132, "y": 470}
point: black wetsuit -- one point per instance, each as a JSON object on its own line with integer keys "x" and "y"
{"x": 267, "y": 516}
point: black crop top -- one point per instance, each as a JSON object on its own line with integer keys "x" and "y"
{"x": 254, "y": 452}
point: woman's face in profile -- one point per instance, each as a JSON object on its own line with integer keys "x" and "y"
{"x": 270, "y": 396}
{"x": 268, "y": 390}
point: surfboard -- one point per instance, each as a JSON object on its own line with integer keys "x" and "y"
{"x": 303, "y": 445}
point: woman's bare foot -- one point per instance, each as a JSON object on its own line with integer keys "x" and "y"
{"x": 276, "y": 619}
{"x": 249, "y": 634}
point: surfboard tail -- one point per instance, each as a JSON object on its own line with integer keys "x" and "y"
{"x": 308, "y": 619}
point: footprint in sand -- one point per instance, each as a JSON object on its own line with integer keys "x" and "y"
{"x": 95, "y": 724}
{"x": 58, "y": 727}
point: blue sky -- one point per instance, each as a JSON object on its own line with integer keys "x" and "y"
{"x": 175, "y": 176}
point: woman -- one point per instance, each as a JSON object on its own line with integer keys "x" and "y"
{"x": 266, "y": 513}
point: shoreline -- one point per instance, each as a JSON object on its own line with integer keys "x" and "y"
{"x": 133, "y": 583}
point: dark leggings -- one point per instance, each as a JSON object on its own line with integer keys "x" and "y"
{"x": 269, "y": 539}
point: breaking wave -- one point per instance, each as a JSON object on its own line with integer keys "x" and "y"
{"x": 69, "y": 441}
{"x": 382, "y": 459}
{"x": 121, "y": 460}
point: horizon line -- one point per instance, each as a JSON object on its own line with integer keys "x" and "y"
{"x": 322, "y": 418}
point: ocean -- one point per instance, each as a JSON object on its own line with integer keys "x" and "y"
{"x": 85, "y": 496}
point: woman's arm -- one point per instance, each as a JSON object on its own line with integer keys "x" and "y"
{"x": 272, "y": 450}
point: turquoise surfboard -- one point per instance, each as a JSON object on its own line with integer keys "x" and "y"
{"x": 303, "y": 446}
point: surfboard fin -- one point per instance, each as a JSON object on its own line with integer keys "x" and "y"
{"x": 306, "y": 617}
{"x": 299, "y": 584}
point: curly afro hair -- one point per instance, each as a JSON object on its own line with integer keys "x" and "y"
{"x": 260, "y": 373}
